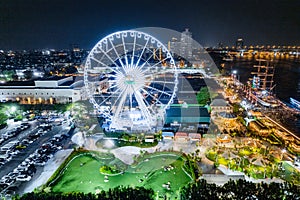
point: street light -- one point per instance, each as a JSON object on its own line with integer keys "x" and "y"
{"x": 13, "y": 109}
{"x": 235, "y": 76}
{"x": 283, "y": 151}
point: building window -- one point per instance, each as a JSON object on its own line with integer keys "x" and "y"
{"x": 42, "y": 93}
{"x": 47, "y": 93}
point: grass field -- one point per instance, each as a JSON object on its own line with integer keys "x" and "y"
{"x": 82, "y": 174}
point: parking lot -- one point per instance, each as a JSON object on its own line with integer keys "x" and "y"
{"x": 25, "y": 148}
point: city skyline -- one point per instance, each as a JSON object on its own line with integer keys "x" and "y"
{"x": 58, "y": 24}
{"x": 132, "y": 116}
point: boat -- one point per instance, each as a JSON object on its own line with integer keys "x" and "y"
{"x": 228, "y": 58}
{"x": 295, "y": 103}
{"x": 262, "y": 84}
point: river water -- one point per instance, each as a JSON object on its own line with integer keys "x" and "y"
{"x": 286, "y": 78}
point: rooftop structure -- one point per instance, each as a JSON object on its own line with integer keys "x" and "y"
{"x": 189, "y": 114}
{"x": 50, "y": 90}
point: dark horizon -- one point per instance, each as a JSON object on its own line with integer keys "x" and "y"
{"x": 40, "y": 24}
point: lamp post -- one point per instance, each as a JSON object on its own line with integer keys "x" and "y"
{"x": 235, "y": 76}
{"x": 283, "y": 151}
{"x": 13, "y": 109}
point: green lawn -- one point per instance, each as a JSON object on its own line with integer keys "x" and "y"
{"x": 291, "y": 173}
{"x": 82, "y": 174}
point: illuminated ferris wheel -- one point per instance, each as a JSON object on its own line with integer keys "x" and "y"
{"x": 131, "y": 79}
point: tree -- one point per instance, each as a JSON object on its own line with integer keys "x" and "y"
{"x": 3, "y": 118}
{"x": 203, "y": 96}
{"x": 236, "y": 108}
{"x": 8, "y": 74}
{"x": 124, "y": 193}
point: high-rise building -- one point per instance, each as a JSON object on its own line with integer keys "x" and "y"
{"x": 239, "y": 44}
{"x": 174, "y": 46}
{"x": 186, "y": 40}
{"x": 220, "y": 45}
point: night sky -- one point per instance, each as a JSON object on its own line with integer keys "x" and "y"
{"x": 38, "y": 24}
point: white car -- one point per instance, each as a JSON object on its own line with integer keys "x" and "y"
{"x": 5, "y": 178}
{"x": 7, "y": 181}
{"x": 23, "y": 177}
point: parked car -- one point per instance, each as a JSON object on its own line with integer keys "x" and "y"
{"x": 40, "y": 162}
{"x": 23, "y": 177}
{"x": 7, "y": 181}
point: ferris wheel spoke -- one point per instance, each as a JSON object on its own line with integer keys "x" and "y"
{"x": 153, "y": 74}
{"x": 130, "y": 101}
{"x": 148, "y": 93}
{"x": 145, "y": 99}
{"x": 112, "y": 75}
{"x": 113, "y": 93}
{"x": 106, "y": 66}
{"x": 154, "y": 81}
{"x": 148, "y": 105}
{"x": 143, "y": 107}
{"x": 146, "y": 62}
{"x": 138, "y": 61}
{"x": 152, "y": 66}
{"x": 119, "y": 96}
{"x": 147, "y": 86}
{"x": 117, "y": 54}
{"x": 113, "y": 86}
{"x": 151, "y": 111}
{"x": 133, "y": 50}
{"x": 108, "y": 57}
{"x": 120, "y": 105}
{"x": 112, "y": 81}
{"x": 125, "y": 51}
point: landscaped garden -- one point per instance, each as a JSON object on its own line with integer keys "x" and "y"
{"x": 164, "y": 172}
{"x": 256, "y": 162}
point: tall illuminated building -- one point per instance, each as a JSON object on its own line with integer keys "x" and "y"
{"x": 186, "y": 40}
{"x": 239, "y": 43}
{"x": 174, "y": 46}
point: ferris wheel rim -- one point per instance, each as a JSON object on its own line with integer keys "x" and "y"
{"x": 125, "y": 66}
